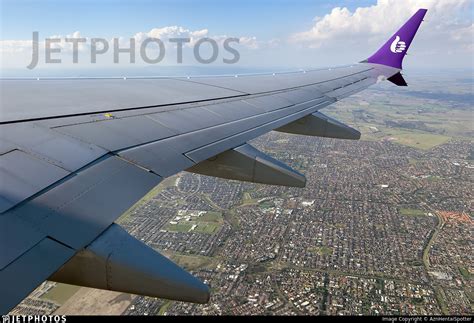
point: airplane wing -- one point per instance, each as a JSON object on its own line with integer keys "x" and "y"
{"x": 76, "y": 153}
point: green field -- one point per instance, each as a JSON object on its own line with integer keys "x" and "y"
{"x": 233, "y": 219}
{"x": 412, "y": 138}
{"x": 180, "y": 227}
{"x": 266, "y": 204}
{"x": 61, "y": 293}
{"x": 465, "y": 273}
{"x": 412, "y": 161}
{"x": 247, "y": 196}
{"x": 207, "y": 223}
{"x": 208, "y": 228}
{"x": 202, "y": 227}
{"x": 190, "y": 262}
{"x": 441, "y": 298}
{"x": 416, "y": 139}
{"x": 322, "y": 251}
{"x": 164, "y": 308}
{"x": 211, "y": 217}
{"x": 412, "y": 212}
{"x": 248, "y": 200}
{"x": 406, "y": 120}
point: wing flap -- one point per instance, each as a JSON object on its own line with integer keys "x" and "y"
{"x": 55, "y": 148}
{"x": 78, "y": 209}
{"x": 161, "y": 157}
{"x": 64, "y": 219}
{"x": 23, "y": 175}
{"x": 16, "y": 237}
{"x": 20, "y": 277}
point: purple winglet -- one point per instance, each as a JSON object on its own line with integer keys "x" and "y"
{"x": 394, "y": 50}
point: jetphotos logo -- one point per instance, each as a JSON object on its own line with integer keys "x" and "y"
{"x": 152, "y": 50}
{"x": 398, "y": 46}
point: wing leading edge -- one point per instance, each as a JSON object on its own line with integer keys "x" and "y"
{"x": 75, "y": 154}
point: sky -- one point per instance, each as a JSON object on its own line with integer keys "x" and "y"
{"x": 280, "y": 34}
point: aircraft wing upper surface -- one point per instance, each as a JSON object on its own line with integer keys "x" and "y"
{"x": 76, "y": 153}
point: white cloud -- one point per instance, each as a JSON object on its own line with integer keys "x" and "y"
{"x": 15, "y": 46}
{"x": 165, "y": 33}
{"x": 17, "y": 53}
{"x": 444, "y": 31}
{"x": 381, "y": 19}
{"x": 25, "y": 46}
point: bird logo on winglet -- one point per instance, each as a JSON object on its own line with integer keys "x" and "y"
{"x": 397, "y": 46}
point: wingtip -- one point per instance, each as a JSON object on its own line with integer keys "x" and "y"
{"x": 394, "y": 50}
